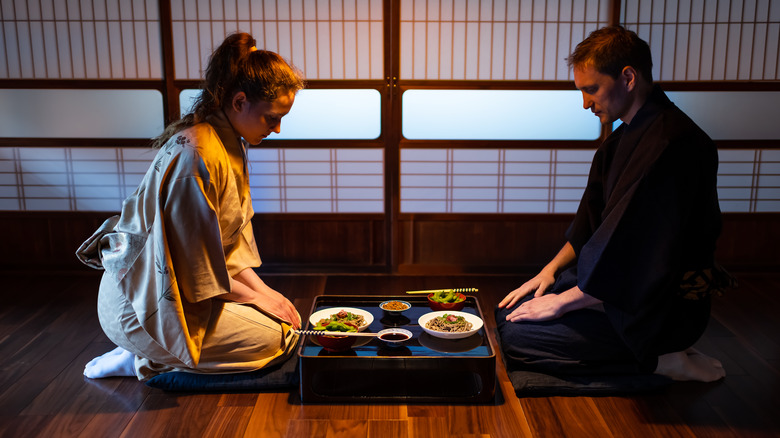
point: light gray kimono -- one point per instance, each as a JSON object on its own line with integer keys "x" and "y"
{"x": 179, "y": 239}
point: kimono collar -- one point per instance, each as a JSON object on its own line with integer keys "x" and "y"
{"x": 233, "y": 143}
{"x": 655, "y": 103}
{"x": 623, "y": 164}
{"x": 228, "y": 135}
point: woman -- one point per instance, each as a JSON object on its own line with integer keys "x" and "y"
{"x": 179, "y": 292}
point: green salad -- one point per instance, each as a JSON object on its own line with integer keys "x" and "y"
{"x": 335, "y": 326}
{"x": 447, "y": 297}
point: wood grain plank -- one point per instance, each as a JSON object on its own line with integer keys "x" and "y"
{"x": 13, "y": 426}
{"x": 428, "y": 411}
{"x": 57, "y": 401}
{"x": 388, "y": 412}
{"x": 308, "y": 428}
{"x": 424, "y": 427}
{"x": 28, "y": 371}
{"x": 573, "y": 417}
{"x": 114, "y": 416}
{"x": 271, "y": 416}
{"x": 73, "y": 401}
{"x": 328, "y": 429}
{"x": 388, "y": 429}
{"x": 238, "y": 399}
{"x": 646, "y": 416}
{"x": 689, "y": 402}
{"x": 172, "y": 415}
{"x": 227, "y": 421}
{"x": 513, "y": 420}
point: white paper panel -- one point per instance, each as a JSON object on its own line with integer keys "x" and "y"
{"x": 733, "y": 115}
{"x": 497, "y": 115}
{"x": 324, "y": 114}
{"x": 59, "y": 113}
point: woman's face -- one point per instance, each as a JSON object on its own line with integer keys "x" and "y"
{"x": 254, "y": 121}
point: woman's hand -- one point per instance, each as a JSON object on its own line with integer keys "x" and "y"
{"x": 538, "y": 285}
{"x": 276, "y": 303}
{"x": 247, "y": 287}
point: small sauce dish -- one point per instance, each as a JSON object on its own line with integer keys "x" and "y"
{"x": 394, "y": 337}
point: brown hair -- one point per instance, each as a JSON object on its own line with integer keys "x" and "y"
{"x": 612, "y": 48}
{"x": 236, "y": 65}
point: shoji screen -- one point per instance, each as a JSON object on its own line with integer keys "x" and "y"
{"x": 121, "y": 40}
{"x": 95, "y": 39}
{"x": 335, "y": 39}
{"x": 494, "y": 40}
{"x": 523, "y": 41}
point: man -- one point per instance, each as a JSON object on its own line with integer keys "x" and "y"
{"x": 629, "y": 291}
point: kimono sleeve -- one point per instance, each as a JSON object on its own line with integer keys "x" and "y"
{"x": 193, "y": 238}
{"x": 244, "y": 253}
{"x": 633, "y": 259}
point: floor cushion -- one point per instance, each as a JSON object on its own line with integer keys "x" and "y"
{"x": 281, "y": 376}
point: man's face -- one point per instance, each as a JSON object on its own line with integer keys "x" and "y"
{"x": 607, "y": 97}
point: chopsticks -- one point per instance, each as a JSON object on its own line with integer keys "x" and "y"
{"x": 462, "y": 290}
{"x": 331, "y": 333}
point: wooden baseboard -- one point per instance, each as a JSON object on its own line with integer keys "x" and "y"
{"x": 426, "y": 244}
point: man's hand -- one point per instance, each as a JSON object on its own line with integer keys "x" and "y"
{"x": 538, "y": 285}
{"x": 552, "y": 306}
{"x": 540, "y": 308}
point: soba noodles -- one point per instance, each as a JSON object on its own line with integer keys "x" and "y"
{"x": 449, "y": 323}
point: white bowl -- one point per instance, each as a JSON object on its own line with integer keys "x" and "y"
{"x": 476, "y": 324}
{"x": 327, "y": 313}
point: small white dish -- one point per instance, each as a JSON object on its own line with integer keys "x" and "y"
{"x": 394, "y": 337}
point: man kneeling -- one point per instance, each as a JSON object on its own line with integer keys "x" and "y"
{"x": 629, "y": 292}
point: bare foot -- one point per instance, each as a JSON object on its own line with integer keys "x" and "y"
{"x": 690, "y": 365}
{"x": 715, "y": 362}
{"x": 116, "y": 363}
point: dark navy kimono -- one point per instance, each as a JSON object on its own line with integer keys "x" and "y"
{"x": 648, "y": 215}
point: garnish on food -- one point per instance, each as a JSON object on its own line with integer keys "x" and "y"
{"x": 449, "y": 323}
{"x": 447, "y": 297}
{"x": 335, "y": 326}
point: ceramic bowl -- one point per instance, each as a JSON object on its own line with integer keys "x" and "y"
{"x": 394, "y": 337}
{"x": 402, "y": 306}
{"x": 435, "y": 305}
{"x": 336, "y": 343}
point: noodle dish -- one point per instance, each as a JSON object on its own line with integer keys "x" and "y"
{"x": 449, "y": 324}
{"x": 349, "y": 316}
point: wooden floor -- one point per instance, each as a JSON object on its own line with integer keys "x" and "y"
{"x": 49, "y": 330}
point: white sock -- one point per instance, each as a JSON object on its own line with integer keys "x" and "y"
{"x": 116, "y": 363}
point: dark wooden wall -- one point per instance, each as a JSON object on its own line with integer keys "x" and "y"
{"x": 428, "y": 244}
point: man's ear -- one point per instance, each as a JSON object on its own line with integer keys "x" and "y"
{"x": 629, "y": 77}
{"x": 238, "y": 101}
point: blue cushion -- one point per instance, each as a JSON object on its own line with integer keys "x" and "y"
{"x": 528, "y": 383}
{"x": 281, "y": 376}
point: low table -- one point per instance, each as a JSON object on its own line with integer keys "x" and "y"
{"x": 424, "y": 369}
